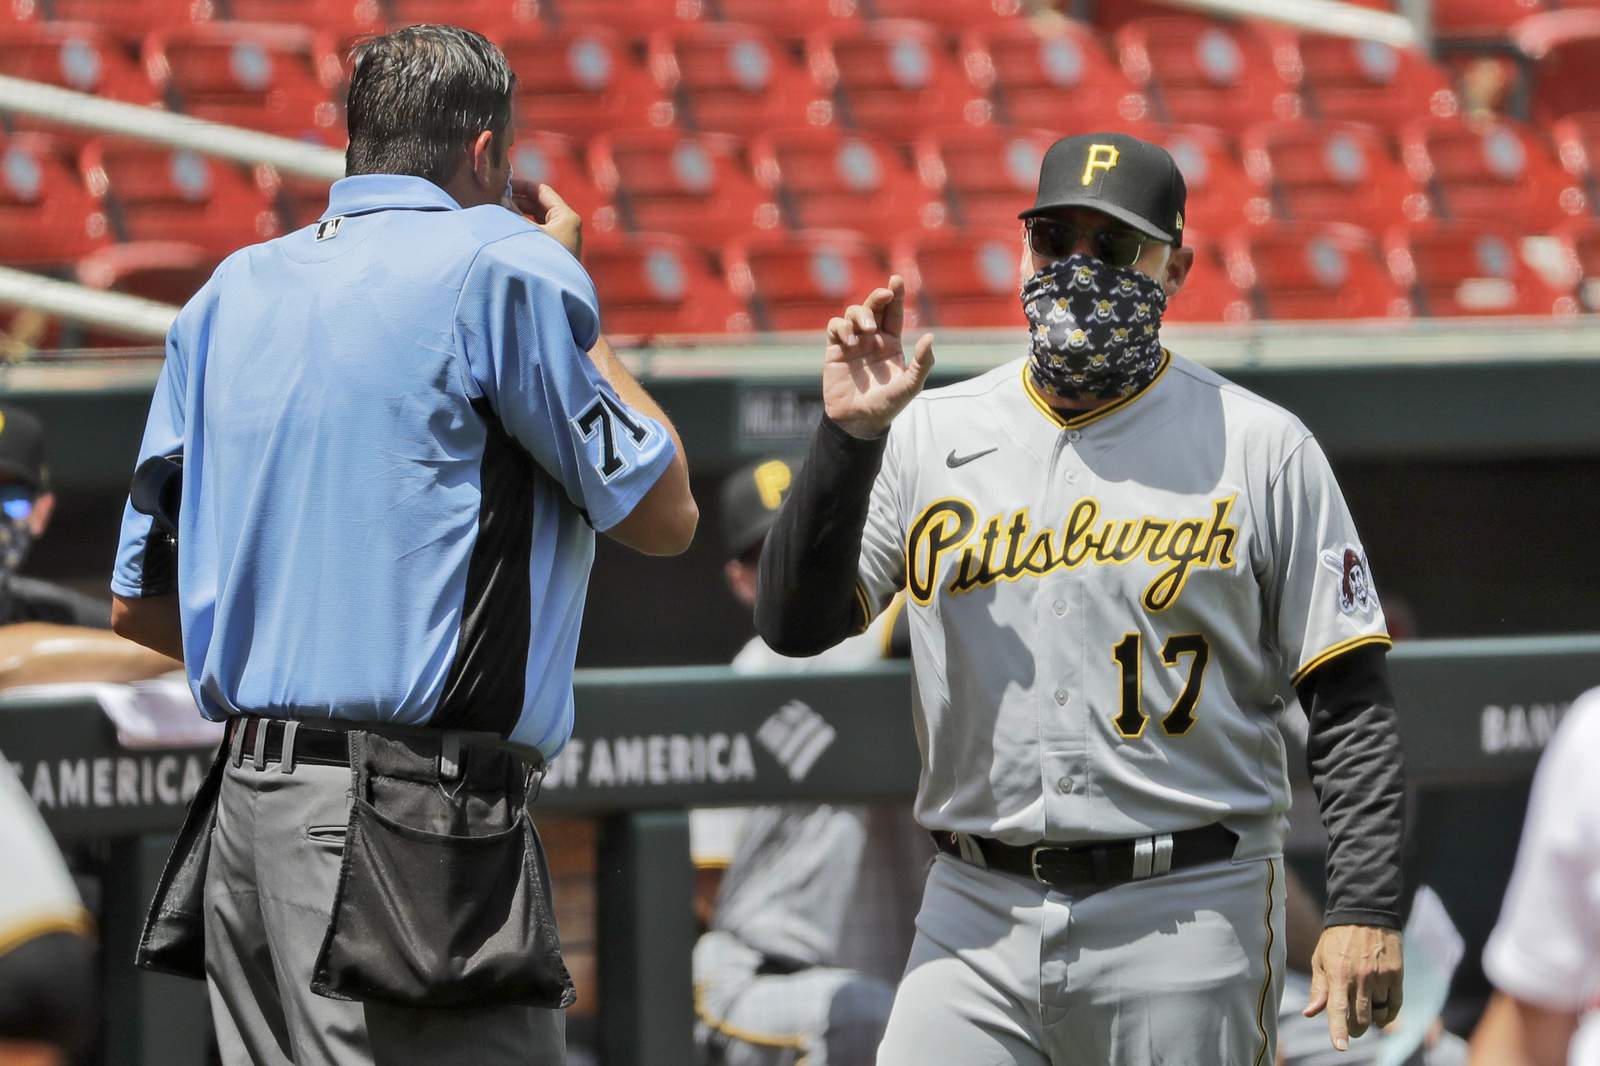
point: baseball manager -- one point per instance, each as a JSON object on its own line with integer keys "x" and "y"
{"x": 1120, "y": 568}
{"x": 399, "y": 430}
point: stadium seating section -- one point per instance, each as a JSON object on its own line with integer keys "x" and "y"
{"x": 756, "y": 164}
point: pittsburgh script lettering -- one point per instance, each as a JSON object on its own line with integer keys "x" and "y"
{"x": 1009, "y": 547}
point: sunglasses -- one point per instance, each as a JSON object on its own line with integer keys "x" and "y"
{"x": 1050, "y": 239}
{"x": 16, "y": 502}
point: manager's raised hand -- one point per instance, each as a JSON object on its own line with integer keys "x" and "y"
{"x": 866, "y": 379}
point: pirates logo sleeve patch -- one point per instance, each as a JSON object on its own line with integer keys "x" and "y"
{"x": 1354, "y": 592}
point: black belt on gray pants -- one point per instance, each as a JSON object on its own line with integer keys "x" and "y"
{"x": 267, "y": 740}
{"x": 1109, "y": 862}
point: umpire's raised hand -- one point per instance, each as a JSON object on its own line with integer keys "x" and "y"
{"x": 866, "y": 379}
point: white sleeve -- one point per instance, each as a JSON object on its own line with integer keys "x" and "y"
{"x": 1545, "y": 949}
{"x": 1321, "y": 597}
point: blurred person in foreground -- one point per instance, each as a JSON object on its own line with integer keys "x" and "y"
{"x": 47, "y": 979}
{"x": 397, "y": 431}
{"x": 1543, "y": 956}
{"x": 26, "y": 504}
{"x": 812, "y": 922}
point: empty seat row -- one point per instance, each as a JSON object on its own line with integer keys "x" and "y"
{"x": 652, "y": 284}
{"x": 790, "y": 18}
{"x": 890, "y": 77}
{"x": 715, "y": 188}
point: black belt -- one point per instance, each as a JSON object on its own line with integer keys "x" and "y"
{"x": 1110, "y": 862}
{"x": 326, "y": 747}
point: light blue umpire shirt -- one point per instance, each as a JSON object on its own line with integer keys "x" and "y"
{"x": 396, "y": 453}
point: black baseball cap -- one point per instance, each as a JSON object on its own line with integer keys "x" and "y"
{"x": 1133, "y": 181}
{"x": 21, "y": 448}
{"x": 750, "y": 500}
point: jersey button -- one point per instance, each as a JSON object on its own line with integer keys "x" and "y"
{"x": 1072, "y": 477}
{"x": 1060, "y": 608}
{"x": 1061, "y": 696}
{"x": 1073, "y": 435}
{"x": 1064, "y": 785}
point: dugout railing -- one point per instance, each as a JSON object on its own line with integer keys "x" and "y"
{"x": 650, "y": 743}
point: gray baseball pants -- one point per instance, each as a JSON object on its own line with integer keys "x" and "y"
{"x": 824, "y": 1016}
{"x": 1180, "y": 970}
{"x": 275, "y": 856}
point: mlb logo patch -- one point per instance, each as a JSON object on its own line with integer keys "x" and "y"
{"x": 328, "y": 228}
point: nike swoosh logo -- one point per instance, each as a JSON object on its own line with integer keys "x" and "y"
{"x": 953, "y": 460}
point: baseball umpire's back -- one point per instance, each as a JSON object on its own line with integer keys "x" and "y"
{"x": 399, "y": 429}
{"x": 375, "y": 524}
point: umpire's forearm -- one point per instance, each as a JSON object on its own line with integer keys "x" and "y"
{"x": 808, "y": 600}
{"x": 1353, "y": 753}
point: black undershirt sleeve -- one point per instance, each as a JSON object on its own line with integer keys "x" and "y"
{"x": 807, "y": 601}
{"x": 1353, "y": 753}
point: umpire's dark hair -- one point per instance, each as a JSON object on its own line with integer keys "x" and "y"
{"x": 419, "y": 95}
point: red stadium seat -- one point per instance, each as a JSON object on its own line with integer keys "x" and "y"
{"x": 1562, "y": 52}
{"x": 799, "y": 281}
{"x": 1482, "y": 18}
{"x": 1580, "y": 241}
{"x": 651, "y": 283}
{"x": 279, "y": 79}
{"x": 1469, "y": 269}
{"x": 1110, "y": 15}
{"x": 735, "y": 79}
{"x": 893, "y": 78}
{"x": 1314, "y": 271}
{"x": 987, "y": 174}
{"x": 128, "y": 18}
{"x": 167, "y": 271}
{"x": 951, "y": 16}
{"x": 156, "y": 193}
{"x": 791, "y": 19}
{"x": 74, "y": 55}
{"x": 964, "y": 279}
{"x": 552, "y": 159}
{"x": 823, "y": 177}
{"x": 1058, "y": 78}
{"x": 343, "y": 18}
{"x": 1369, "y": 81}
{"x": 492, "y": 18}
{"x": 581, "y": 81}
{"x": 635, "y": 18}
{"x": 691, "y": 185}
{"x": 1220, "y": 195}
{"x": 1577, "y": 140}
{"x": 47, "y": 217}
{"x": 1208, "y": 294}
{"x": 1497, "y": 170}
{"x": 1215, "y": 73}
{"x": 1332, "y": 172}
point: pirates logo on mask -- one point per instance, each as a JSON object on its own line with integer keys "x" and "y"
{"x": 1081, "y": 347}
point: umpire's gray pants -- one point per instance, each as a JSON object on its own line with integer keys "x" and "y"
{"x": 275, "y": 856}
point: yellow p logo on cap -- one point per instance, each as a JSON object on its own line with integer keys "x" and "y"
{"x": 772, "y": 481}
{"x": 1101, "y": 157}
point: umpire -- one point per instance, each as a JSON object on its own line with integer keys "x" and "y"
{"x": 398, "y": 430}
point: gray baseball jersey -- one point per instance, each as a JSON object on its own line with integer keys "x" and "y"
{"x": 829, "y": 884}
{"x": 1108, "y": 611}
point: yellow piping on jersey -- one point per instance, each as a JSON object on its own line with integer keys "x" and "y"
{"x": 718, "y": 1025}
{"x": 1266, "y": 984}
{"x": 15, "y": 934}
{"x": 1079, "y": 421}
{"x": 1337, "y": 650}
{"x": 1179, "y": 546}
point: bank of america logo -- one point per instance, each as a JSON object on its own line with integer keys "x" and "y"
{"x": 796, "y": 736}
